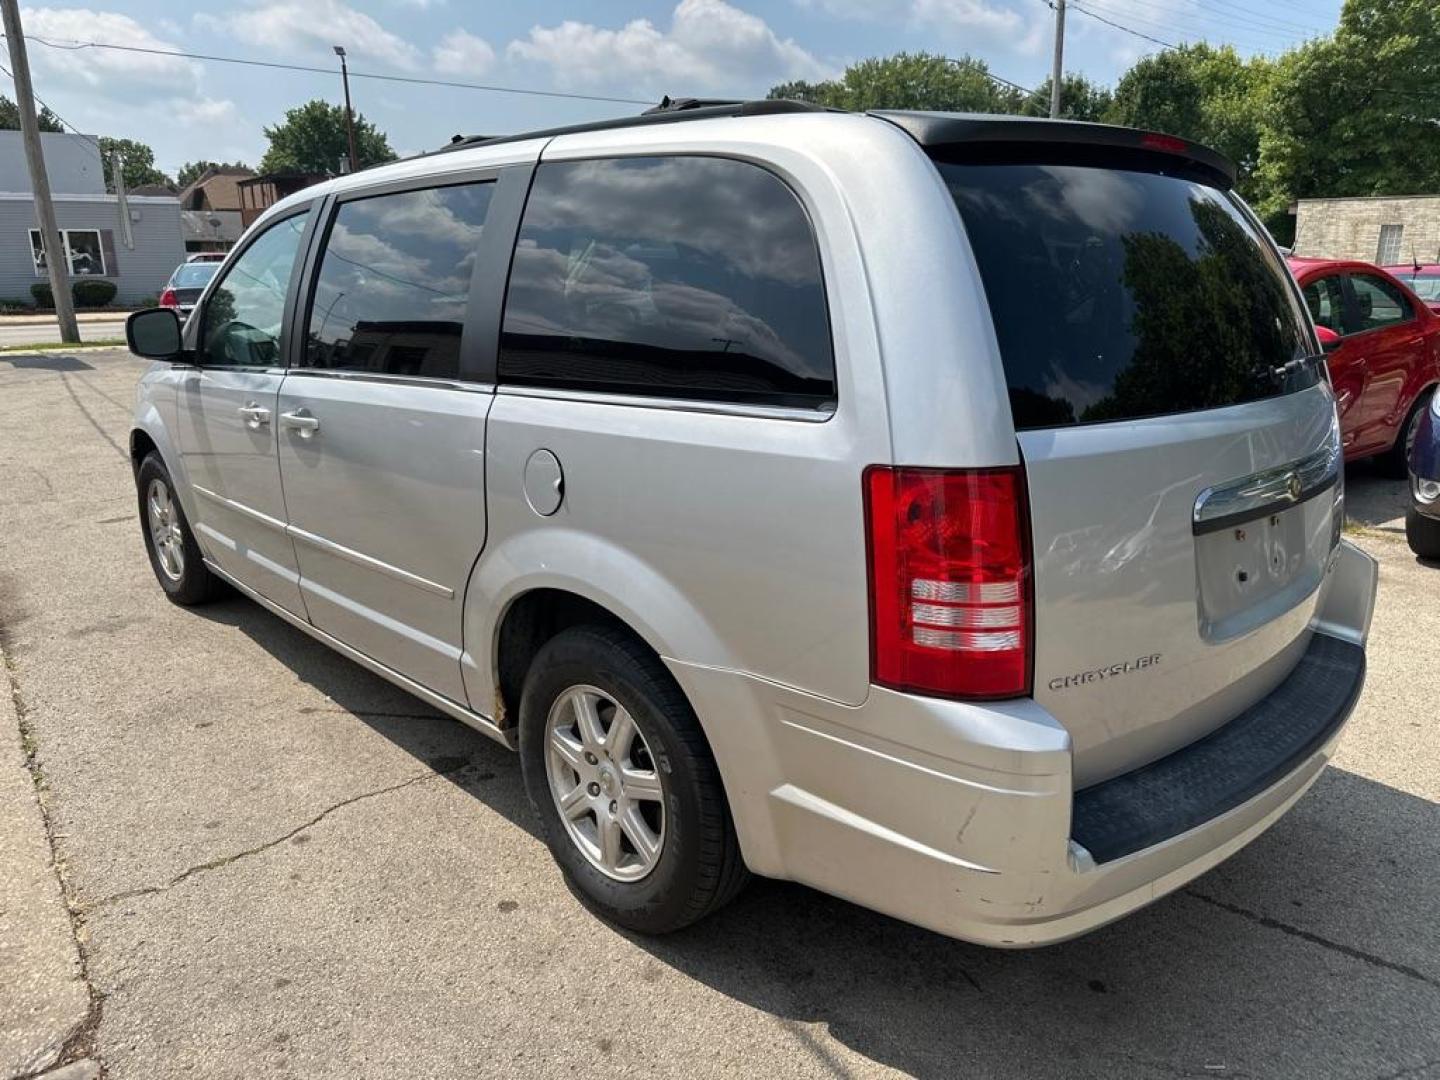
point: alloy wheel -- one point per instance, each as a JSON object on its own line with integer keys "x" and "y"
{"x": 165, "y": 531}
{"x": 606, "y": 787}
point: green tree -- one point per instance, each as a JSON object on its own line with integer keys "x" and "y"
{"x": 1357, "y": 113}
{"x": 1080, "y": 99}
{"x": 10, "y": 117}
{"x": 193, "y": 170}
{"x": 1207, "y": 94}
{"x": 909, "y": 81}
{"x": 137, "y": 163}
{"x": 311, "y": 138}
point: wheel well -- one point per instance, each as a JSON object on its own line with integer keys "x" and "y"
{"x": 531, "y": 621}
{"x": 140, "y": 445}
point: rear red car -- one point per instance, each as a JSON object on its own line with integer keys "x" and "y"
{"x": 1385, "y": 359}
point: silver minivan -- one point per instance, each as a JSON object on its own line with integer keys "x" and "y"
{"x": 942, "y": 511}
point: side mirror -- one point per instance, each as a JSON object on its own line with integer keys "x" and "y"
{"x": 1329, "y": 339}
{"x": 154, "y": 334}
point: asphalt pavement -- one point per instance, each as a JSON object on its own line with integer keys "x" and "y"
{"x": 257, "y": 859}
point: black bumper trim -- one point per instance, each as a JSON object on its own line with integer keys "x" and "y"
{"x": 1232, "y": 764}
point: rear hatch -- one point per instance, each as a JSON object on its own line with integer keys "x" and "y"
{"x": 1178, "y": 435}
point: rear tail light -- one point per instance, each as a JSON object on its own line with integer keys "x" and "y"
{"x": 167, "y": 299}
{"x": 950, "y": 593}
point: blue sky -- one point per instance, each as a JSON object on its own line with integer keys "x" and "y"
{"x": 188, "y": 109}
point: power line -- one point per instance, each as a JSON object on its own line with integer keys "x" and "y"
{"x": 1119, "y": 26}
{"x": 1168, "y": 14}
{"x": 1172, "y": 23}
{"x": 90, "y": 140}
{"x": 76, "y": 45}
{"x": 994, "y": 78}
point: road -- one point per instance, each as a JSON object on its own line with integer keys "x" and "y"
{"x": 35, "y": 333}
{"x": 278, "y": 865}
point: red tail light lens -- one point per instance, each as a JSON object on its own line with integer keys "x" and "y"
{"x": 951, "y": 609}
{"x": 167, "y": 298}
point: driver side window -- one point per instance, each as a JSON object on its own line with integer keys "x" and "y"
{"x": 246, "y": 309}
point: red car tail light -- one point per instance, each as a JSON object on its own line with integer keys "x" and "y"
{"x": 951, "y": 610}
{"x": 167, "y": 299}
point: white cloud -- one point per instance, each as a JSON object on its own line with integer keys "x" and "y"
{"x": 967, "y": 15}
{"x": 313, "y": 26}
{"x": 461, "y": 53}
{"x": 710, "y": 44}
{"x": 995, "y": 21}
{"x": 122, "y": 76}
{"x": 205, "y": 112}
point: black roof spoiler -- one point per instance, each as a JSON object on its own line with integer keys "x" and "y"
{"x": 990, "y": 135}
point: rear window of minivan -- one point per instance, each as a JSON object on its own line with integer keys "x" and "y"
{"x": 1120, "y": 294}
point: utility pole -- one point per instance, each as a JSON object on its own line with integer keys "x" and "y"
{"x": 1057, "y": 69}
{"x": 349, "y": 115}
{"x": 39, "y": 180}
{"x": 122, "y": 204}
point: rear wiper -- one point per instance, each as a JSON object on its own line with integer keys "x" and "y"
{"x": 1292, "y": 367}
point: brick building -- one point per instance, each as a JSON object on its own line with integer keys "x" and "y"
{"x": 1388, "y": 230}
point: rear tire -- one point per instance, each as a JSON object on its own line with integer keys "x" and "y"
{"x": 174, "y": 555}
{"x": 1395, "y": 462}
{"x": 1423, "y": 533}
{"x": 681, "y": 860}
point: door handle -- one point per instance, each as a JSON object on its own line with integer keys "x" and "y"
{"x": 300, "y": 420}
{"x": 255, "y": 416}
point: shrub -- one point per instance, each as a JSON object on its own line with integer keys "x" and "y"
{"x": 92, "y": 292}
{"x": 42, "y": 294}
{"x": 148, "y": 301}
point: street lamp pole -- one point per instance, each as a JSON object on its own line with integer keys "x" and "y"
{"x": 349, "y": 114}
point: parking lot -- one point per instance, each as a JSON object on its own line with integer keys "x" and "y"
{"x": 278, "y": 865}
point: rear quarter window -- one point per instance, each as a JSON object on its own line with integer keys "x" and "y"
{"x": 1120, "y": 294}
{"x": 679, "y": 276}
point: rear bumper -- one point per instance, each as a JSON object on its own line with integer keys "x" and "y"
{"x": 962, "y": 818}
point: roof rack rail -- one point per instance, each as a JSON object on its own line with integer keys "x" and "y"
{"x": 669, "y": 104}
{"x": 669, "y": 110}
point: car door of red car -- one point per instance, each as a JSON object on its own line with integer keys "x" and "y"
{"x": 1326, "y": 298}
{"x": 1389, "y": 336}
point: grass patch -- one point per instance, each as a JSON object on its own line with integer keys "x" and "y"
{"x": 60, "y": 346}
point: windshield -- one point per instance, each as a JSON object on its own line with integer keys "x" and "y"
{"x": 1120, "y": 294}
{"x": 193, "y": 275}
{"x": 1425, "y": 286}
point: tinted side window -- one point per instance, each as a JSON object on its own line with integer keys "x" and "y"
{"x": 686, "y": 277}
{"x": 245, "y": 310}
{"x": 394, "y": 281}
{"x": 1326, "y": 300}
{"x": 1377, "y": 303}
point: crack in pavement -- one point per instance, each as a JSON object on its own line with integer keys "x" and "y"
{"x": 226, "y": 860}
{"x": 1315, "y": 939}
{"x": 79, "y": 1041}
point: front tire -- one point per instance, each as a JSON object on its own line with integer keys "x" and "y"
{"x": 174, "y": 556}
{"x": 1423, "y": 533}
{"x": 624, "y": 784}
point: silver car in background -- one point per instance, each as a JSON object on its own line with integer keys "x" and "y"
{"x": 941, "y": 511}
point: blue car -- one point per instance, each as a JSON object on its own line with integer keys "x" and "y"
{"x": 1422, "y": 523}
